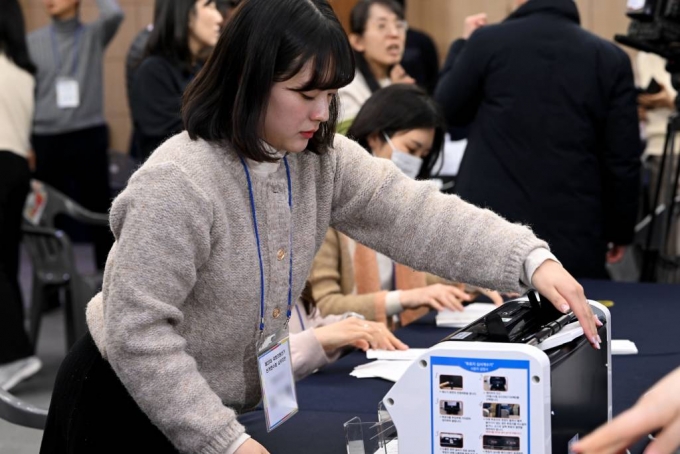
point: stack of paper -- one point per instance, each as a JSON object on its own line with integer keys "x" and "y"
{"x": 455, "y": 319}
{"x": 385, "y": 369}
{"x": 624, "y": 347}
{"x": 396, "y": 355}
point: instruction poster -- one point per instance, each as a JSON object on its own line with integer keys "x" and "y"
{"x": 479, "y": 406}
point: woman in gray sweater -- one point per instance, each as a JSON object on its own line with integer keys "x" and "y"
{"x": 216, "y": 233}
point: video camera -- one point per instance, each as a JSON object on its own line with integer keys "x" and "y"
{"x": 655, "y": 28}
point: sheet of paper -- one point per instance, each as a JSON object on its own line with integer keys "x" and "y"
{"x": 452, "y": 156}
{"x": 396, "y": 355}
{"x": 456, "y": 319}
{"x": 624, "y": 347}
{"x": 385, "y": 369}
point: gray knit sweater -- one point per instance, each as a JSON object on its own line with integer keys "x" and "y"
{"x": 179, "y": 318}
{"x": 92, "y": 41}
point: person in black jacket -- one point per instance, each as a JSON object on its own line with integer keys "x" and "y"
{"x": 554, "y": 139}
{"x": 174, "y": 54}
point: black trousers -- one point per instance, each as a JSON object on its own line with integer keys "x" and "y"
{"x": 14, "y": 187}
{"x": 92, "y": 412}
{"x": 76, "y": 163}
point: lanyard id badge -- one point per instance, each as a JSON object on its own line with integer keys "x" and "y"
{"x": 67, "y": 87}
{"x": 276, "y": 378}
{"x": 68, "y": 93}
{"x": 273, "y": 354}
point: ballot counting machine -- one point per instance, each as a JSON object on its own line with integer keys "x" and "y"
{"x": 521, "y": 379}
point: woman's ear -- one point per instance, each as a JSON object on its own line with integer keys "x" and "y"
{"x": 375, "y": 143}
{"x": 357, "y": 42}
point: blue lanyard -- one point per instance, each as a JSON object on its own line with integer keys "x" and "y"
{"x": 302, "y": 324}
{"x": 76, "y": 50}
{"x": 259, "y": 247}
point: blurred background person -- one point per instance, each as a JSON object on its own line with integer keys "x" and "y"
{"x": 70, "y": 136}
{"x": 657, "y": 102}
{"x": 554, "y": 139}
{"x": 136, "y": 54}
{"x": 17, "y": 83}
{"x": 378, "y": 38}
{"x": 183, "y": 31}
{"x": 420, "y": 59}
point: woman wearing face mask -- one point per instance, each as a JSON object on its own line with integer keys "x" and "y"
{"x": 400, "y": 123}
{"x": 184, "y": 31}
{"x": 378, "y": 38}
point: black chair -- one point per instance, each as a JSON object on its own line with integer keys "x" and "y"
{"x": 18, "y": 412}
{"x": 54, "y": 267}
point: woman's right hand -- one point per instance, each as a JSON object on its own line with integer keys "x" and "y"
{"x": 251, "y": 447}
{"x": 359, "y": 333}
{"x": 437, "y": 296}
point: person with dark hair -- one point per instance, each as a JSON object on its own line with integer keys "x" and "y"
{"x": 403, "y": 124}
{"x": 554, "y": 136}
{"x": 183, "y": 31}
{"x": 17, "y": 360}
{"x": 378, "y": 35}
{"x": 70, "y": 136}
{"x": 420, "y": 59}
{"x": 216, "y": 233}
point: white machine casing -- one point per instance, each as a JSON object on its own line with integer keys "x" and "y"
{"x": 413, "y": 401}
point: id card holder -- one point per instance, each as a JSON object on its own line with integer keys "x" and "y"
{"x": 276, "y": 378}
{"x": 68, "y": 93}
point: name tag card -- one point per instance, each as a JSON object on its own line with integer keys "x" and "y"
{"x": 68, "y": 93}
{"x": 276, "y": 378}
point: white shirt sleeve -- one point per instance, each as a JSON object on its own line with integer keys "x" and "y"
{"x": 533, "y": 261}
{"x": 237, "y": 444}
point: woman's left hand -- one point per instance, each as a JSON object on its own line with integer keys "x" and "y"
{"x": 555, "y": 283}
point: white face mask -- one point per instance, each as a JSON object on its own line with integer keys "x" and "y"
{"x": 407, "y": 163}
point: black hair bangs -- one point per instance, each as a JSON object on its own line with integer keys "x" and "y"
{"x": 327, "y": 50}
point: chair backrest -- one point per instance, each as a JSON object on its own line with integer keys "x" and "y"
{"x": 16, "y": 411}
{"x": 44, "y": 203}
{"x": 53, "y": 259}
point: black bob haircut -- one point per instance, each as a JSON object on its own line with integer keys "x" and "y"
{"x": 264, "y": 42}
{"x": 400, "y": 108}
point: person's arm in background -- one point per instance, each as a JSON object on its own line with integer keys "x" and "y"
{"x": 325, "y": 280}
{"x": 326, "y": 277}
{"x": 657, "y": 409}
{"x": 323, "y": 343}
{"x": 109, "y": 20}
{"x": 621, "y": 161}
{"x": 459, "y": 89}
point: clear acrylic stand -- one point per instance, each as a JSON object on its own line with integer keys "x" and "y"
{"x": 371, "y": 437}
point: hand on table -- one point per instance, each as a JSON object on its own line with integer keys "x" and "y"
{"x": 359, "y": 333}
{"x": 436, "y": 296}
